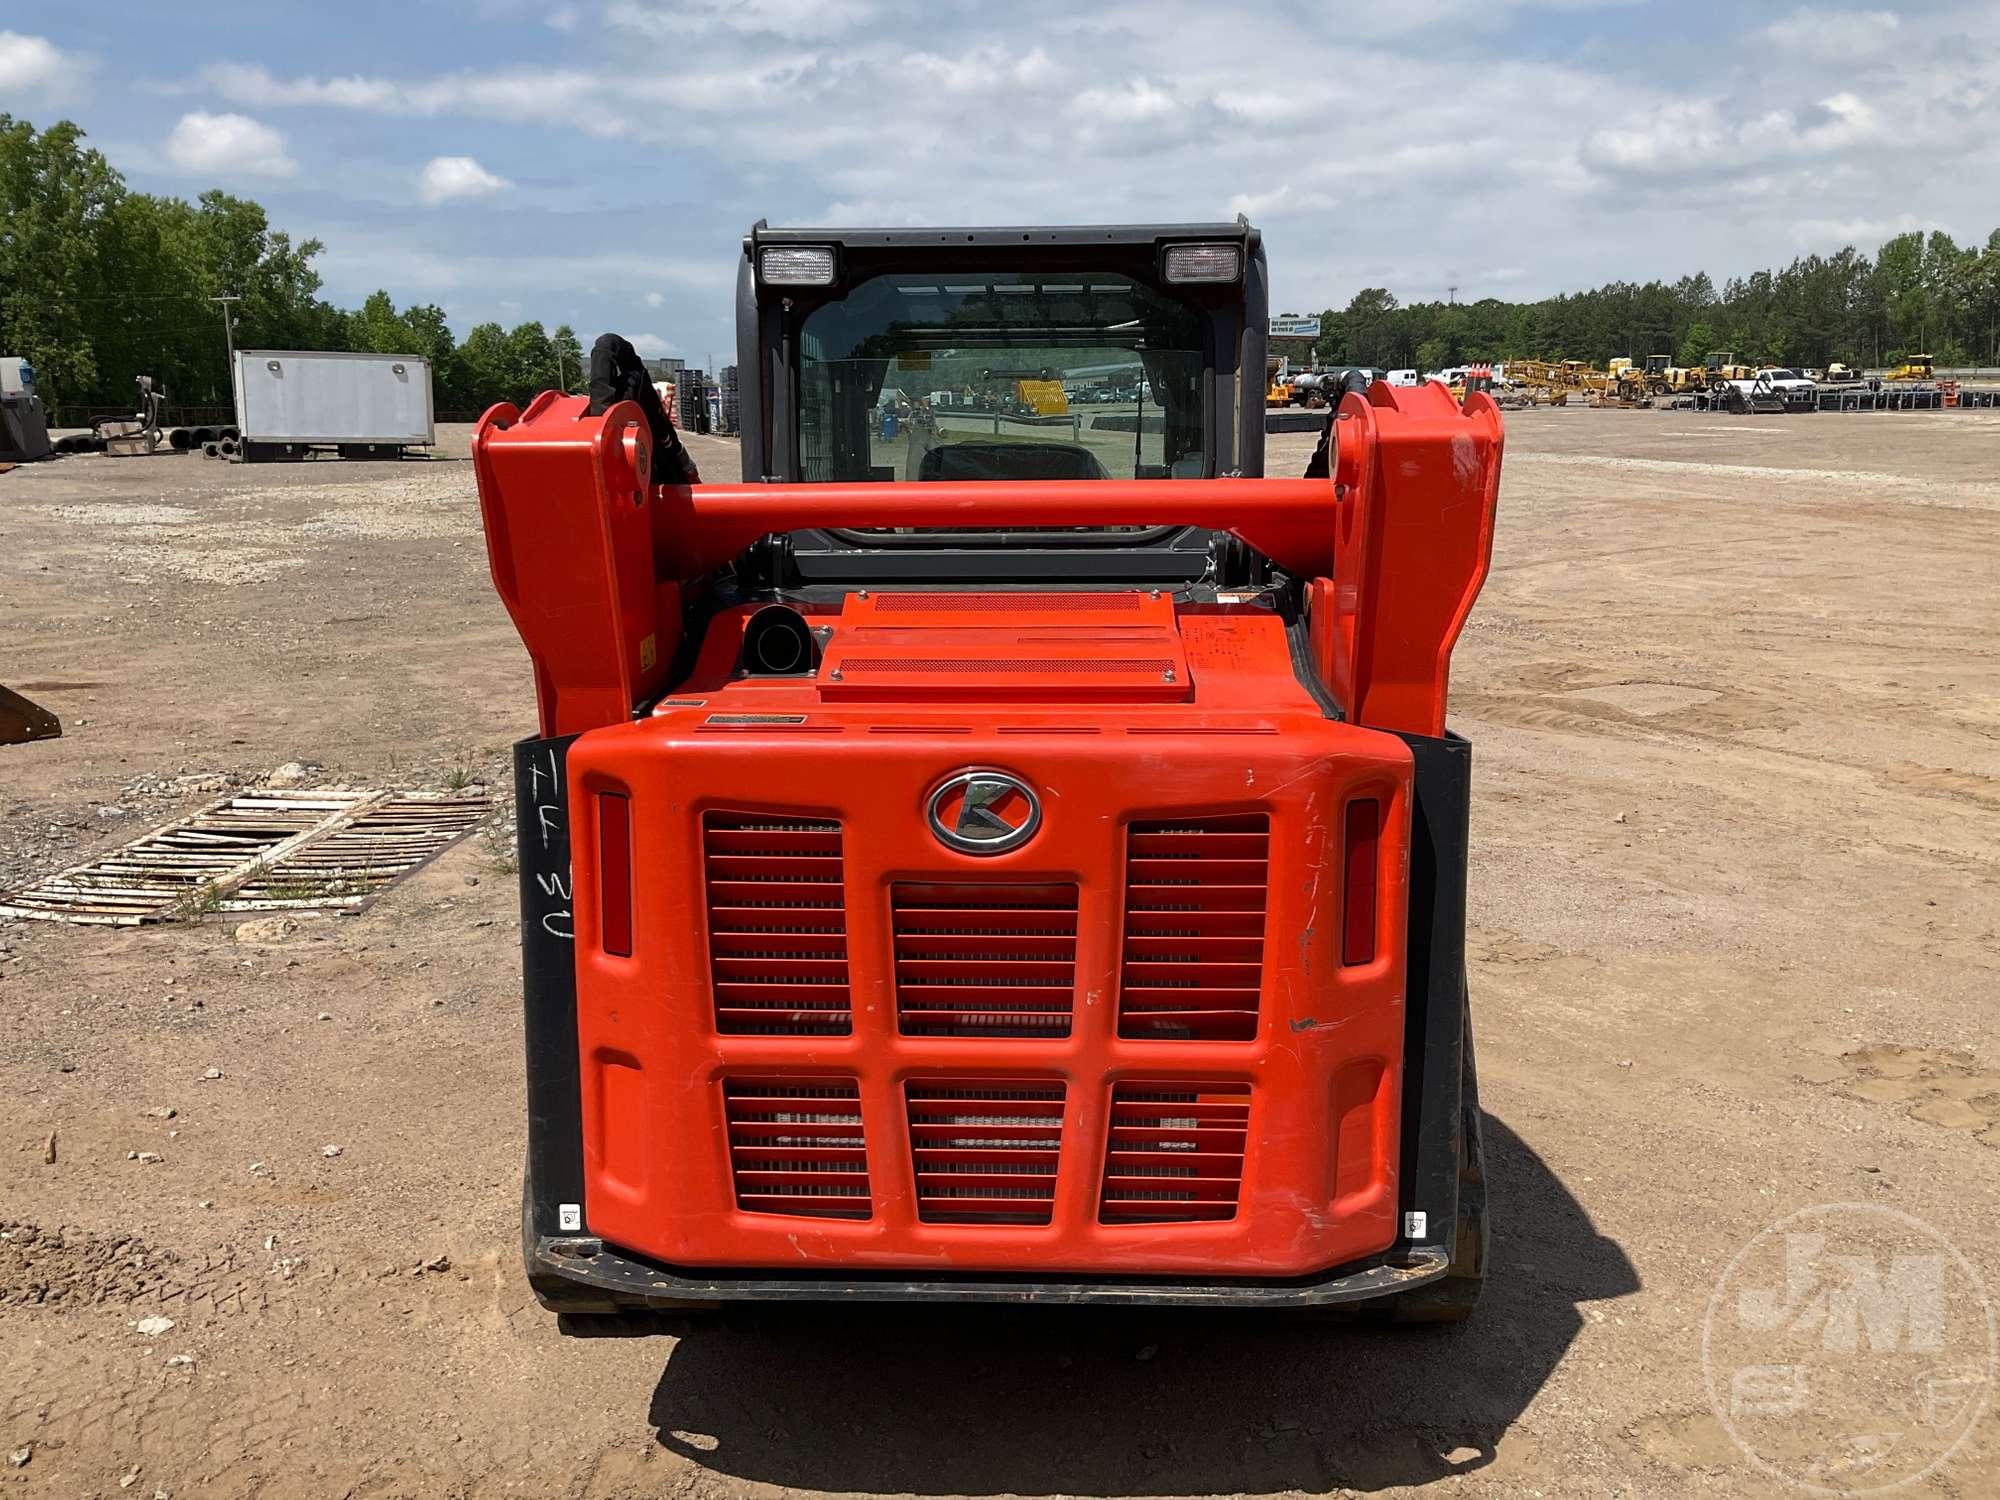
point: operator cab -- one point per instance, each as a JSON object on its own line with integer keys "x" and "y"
{"x": 899, "y": 356}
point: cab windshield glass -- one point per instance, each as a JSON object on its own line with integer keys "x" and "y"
{"x": 1008, "y": 375}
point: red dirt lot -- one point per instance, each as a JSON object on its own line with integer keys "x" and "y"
{"x": 1734, "y": 691}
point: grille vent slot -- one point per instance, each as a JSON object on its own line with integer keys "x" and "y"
{"x": 1175, "y": 1153}
{"x": 986, "y": 1150}
{"x": 1195, "y": 896}
{"x": 777, "y": 925}
{"x": 796, "y": 1147}
{"x": 985, "y": 960}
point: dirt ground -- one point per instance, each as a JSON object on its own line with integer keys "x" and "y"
{"x": 1734, "y": 688}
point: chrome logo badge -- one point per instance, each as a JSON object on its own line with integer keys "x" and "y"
{"x": 984, "y": 812}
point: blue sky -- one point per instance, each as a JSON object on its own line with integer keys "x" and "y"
{"x": 596, "y": 162}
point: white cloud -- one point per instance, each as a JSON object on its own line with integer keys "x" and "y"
{"x": 1280, "y": 200}
{"x": 986, "y": 69}
{"x": 1260, "y": 106}
{"x": 1706, "y": 136}
{"x": 1136, "y": 102}
{"x": 431, "y": 259}
{"x": 228, "y": 145}
{"x": 652, "y": 346}
{"x": 250, "y": 85}
{"x": 644, "y": 106}
{"x": 1836, "y": 36}
{"x": 537, "y": 95}
{"x": 450, "y": 179}
{"x": 35, "y": 65}
{"x": 675, "y": 20}
{"x": 1409, "y": 163}
{"x": 27, "y": 62}
{"x": 1867, "y": 233}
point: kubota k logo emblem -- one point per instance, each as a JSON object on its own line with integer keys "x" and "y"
{"x": 984, "y": 812}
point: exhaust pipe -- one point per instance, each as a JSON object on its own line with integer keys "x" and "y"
{"x": 228, "y": 447}
{"x": 211, "y": 450}
{"x": 778, "y": 643}
{"x": 180, "y": 440}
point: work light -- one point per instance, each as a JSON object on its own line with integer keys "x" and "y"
{"x": 1204, "y": 262}
{"x": 796, "y": 265}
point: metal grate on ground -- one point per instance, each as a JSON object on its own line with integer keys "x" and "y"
{"x": 256, "y": 852}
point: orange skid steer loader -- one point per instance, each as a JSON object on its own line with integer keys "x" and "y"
{"x": 996, "y": 856}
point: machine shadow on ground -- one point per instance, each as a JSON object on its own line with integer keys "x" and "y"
{"x": 1041, "y": 1400}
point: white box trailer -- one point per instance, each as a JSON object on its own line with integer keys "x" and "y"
{"x": 290, "y": 401}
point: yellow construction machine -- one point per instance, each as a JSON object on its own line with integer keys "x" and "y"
{"x": 1581, "y": 376}
{"x": 1533, "y": 381}
{"x": 1277, "y": 382}
{"x": 1637, "y": 383}
{"x": 1723, "y": 365}
{"x": 1914, "y": 367}
{"x": 1665, "y": 378}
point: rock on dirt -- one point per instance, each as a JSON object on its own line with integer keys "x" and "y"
{"x": 265, "y": 931}
{"x": 73, "y": 1267}
{"x": 294, "y": 773}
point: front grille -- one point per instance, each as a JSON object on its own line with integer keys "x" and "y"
{"x": 777, "y": 925}
{"x": 1195, "y": 892}
{"x": 985, "y": 960}
{"x": 1175, "y": 1153}
{"x": 796, "y": 1147}
{"x": 986, "y": 1149}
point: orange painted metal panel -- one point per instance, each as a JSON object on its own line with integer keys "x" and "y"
{"x": 1251, "y": 742}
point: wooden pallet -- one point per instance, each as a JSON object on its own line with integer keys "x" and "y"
{"x": 256, "y": 852}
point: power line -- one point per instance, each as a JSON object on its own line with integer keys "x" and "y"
{"x": 228, "y": 332}
{"x": 137, "y": 297}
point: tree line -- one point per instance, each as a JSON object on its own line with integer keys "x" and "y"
{"x": 99, "y": 284}
{"x": 1922, "y": 293}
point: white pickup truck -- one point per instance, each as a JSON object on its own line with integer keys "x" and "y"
{"x": 1778, "y": 386}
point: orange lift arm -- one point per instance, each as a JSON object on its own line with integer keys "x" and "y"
{"x": 592, "y": 558}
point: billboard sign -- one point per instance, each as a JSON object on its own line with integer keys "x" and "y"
{"x": 1292, "y": 326}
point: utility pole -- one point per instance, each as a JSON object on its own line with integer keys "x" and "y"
{"x": 561, "y": 384}
{"x": 1451, "y": 296}
{"x": 229, "y": 339}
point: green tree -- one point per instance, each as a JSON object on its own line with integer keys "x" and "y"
{"x": 54, "y": 196}
{"x": 1369, "y": 320}
{"x": 569, "y": 357}
{"x": 378, "y": 329}
{"x": 99, "y": 284}
{"x": 531, "y": 361}
{"x": 479, "y": 368}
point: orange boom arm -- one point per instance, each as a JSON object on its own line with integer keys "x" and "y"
{"x": 591, "y": 558}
